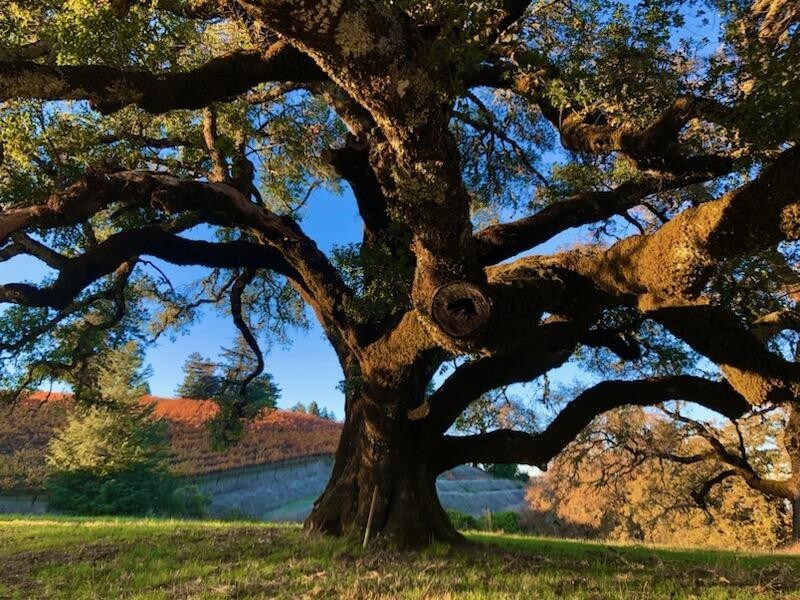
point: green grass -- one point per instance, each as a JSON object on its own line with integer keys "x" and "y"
{"x": 138, "y": 558}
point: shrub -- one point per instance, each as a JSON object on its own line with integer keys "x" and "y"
{"x": 137, "y": 492}
{"x": 506, "y": 521}
{"x": 461, "y": 520}
{"x": 113, "y": 461}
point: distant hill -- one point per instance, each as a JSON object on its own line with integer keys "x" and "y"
{"x": 27, "y": 427}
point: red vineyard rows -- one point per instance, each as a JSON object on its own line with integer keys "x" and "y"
{"x": 27, "y": 427}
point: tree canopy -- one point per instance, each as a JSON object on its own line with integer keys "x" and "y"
{"x": 471, "y": 135}
{"x": 638, "y": 474}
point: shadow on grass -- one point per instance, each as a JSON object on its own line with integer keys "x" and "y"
{"x": 123, "y": 558}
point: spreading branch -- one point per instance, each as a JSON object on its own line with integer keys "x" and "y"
{"x": 109, "y": 89}
{"x": 81, "y": 271}
{"x": 499, "y": 242}
{"x": 508, "y": 446}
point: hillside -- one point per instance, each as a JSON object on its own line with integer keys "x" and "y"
{"x": 27, "y": 427}
{"x": 116, "y": 558}
{"x": 288, "y": 492}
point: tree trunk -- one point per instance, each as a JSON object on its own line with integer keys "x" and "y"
{"x": 795, "y": 520}
{"x": 380, "y": 448}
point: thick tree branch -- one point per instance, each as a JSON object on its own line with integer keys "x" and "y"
{"x": 700, "y": 496}
{"x": 237, "y": 290}
{"x": 351, "y": 163}
{"x": 499, "y": 242}
{"x": 220, "y": 204}
{"x": 758, "y": 374}
{"x": 81, "y": 271}
{"x": 665, "y": 273}
{"x": 655, "y": 146}
{"x": 31, "y": 51}
{"x": 513, "y": 11}
{"x": 477, "y": 377}
{"x": 31, "y": 247}
{"x": 110, "y": 89}
{"x": 773, "y": 323}
{"x": 115, "y": 292}
{"x": 621, "y": 344}
{"x": 677, "y": 261}
{"x": 506, "y": 446}
{"x": 219, "y": 165}
{"x": 737, "y": 464}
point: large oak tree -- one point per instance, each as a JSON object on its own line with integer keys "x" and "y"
{"x": 470, "y": 134}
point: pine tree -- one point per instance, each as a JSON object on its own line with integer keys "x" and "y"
{"x": 200, "y": 378}
{"x": 238, "y": 364}
{"x": 112, "y": 456}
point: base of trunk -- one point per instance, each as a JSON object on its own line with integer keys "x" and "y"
{"x": 407, "y": 509}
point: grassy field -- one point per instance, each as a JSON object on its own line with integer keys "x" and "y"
{"x": 128, "y": 558}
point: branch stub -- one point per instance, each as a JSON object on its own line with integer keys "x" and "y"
{"x": 460, "y": 308}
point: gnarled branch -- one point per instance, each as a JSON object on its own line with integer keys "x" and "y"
{"x": 110, "y": 89}
{"x": 506, "y": 446}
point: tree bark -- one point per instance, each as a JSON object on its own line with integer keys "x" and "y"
{"x": 795, "y": 520}
{"x": 381, "y": 448}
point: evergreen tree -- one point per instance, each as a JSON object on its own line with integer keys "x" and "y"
{"x": 200, "y": 378}
{"x": 238, "y": 364}
{"x": 111, "y": 457}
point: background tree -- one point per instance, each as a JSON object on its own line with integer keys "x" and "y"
{"x": 470, "y": 135}
{"x": 759, "y": 449}
{"x": 237, "y": 384}
{"x": 602, "y": 487}
{"x": 314, "y": 409}
{"x": 241, "y": 373}
{"x": 111, "y": 457}
{"x": 200, "y": 378}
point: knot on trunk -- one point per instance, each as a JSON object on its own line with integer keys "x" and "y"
{"x": 460, "y": 308}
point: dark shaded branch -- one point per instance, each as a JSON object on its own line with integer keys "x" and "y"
{"x": 618, "y": 342}
{"x": 756, "y": 216}
{"x": 115, "y": 292}
{"x": 513, "y": 11}
{"x": 507, "y": 446}
{"x": 700, "y": 496}
{"x": 717, "y": 333}
{"x": 665, "y": 274}
{"x": 502, "y": 241}
{"x": 351, "y": 163}
{"x": 773, "y": 323}
{"x": 32, "y": 51}
{"x": 549, "y": 346}
{"x": 110, "y": 89}
{"x": 82, "y": 271}
{"x": 31, "y": 247}
{"x": 218, "y": 204}
{"x": 655, "y": 146}
{"x": 237, "y": 289}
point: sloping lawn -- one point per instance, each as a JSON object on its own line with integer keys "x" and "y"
{"x": 127, "y": 558}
